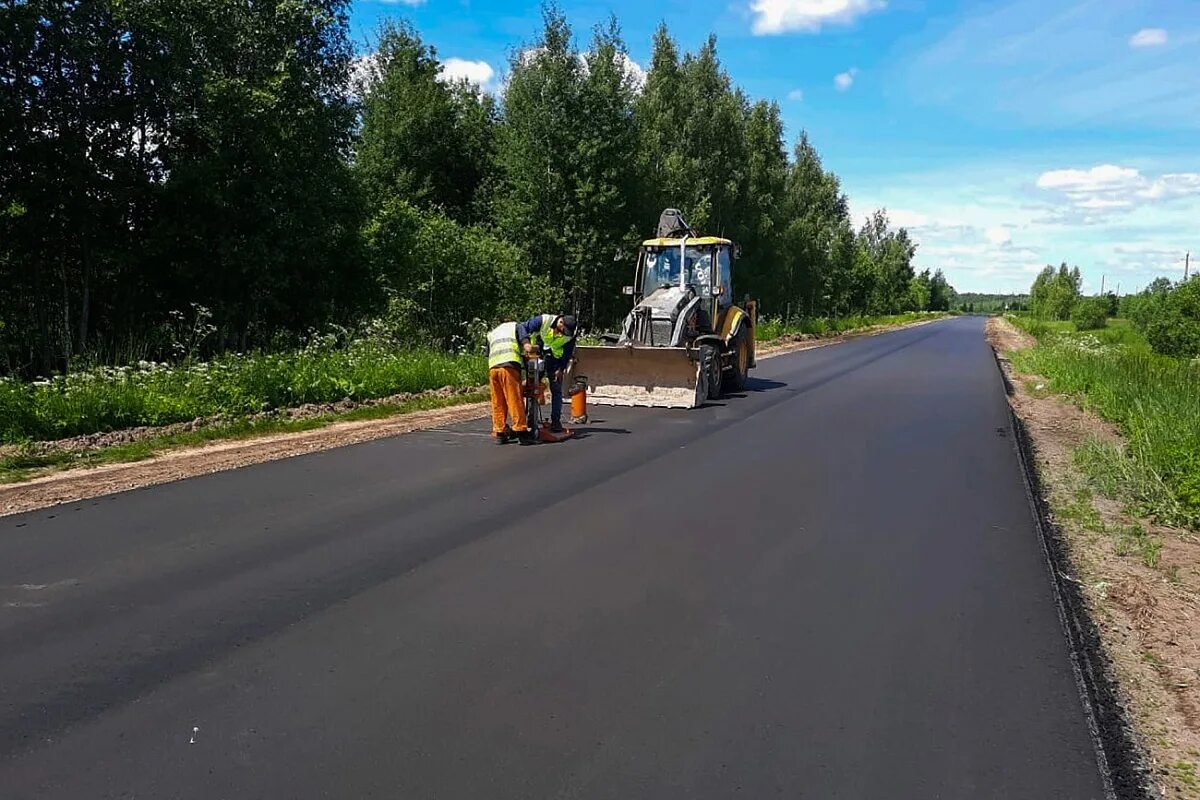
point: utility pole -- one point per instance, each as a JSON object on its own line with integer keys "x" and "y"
{"x": 1102, "y": 277}
{"x": 1187, "y": 262}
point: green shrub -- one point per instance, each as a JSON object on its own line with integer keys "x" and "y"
{"x": 1174, "y": 327}
{"x": 1090, "y": 313}
{"x": 449, "y": 283}
{"x": 108, "y": 398}
{"x": 1154, "y": 399}
{"x": 1054, "y": 292}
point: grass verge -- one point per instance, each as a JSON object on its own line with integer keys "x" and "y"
{"x": 1153, "y": 399}
{"x": 772, "y": 328}
{"x": 1136, "y": 581}
{"x": 106, "y": 398}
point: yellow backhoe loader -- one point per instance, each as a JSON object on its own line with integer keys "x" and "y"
{"x": 685, "y": 341}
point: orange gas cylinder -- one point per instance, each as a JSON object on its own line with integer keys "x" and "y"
{"x": 578, "y": 392}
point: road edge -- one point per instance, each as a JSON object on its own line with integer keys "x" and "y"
{"x": 1122, "y": 760}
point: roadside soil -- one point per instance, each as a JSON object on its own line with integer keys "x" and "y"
{"x": 807, "y": 341}
{"x": 72, "y": 485}
{"x": 1148, "y": 616}
{"x": 95, "y": 441}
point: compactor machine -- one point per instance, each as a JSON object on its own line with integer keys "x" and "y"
{"x": 685, "y": 341}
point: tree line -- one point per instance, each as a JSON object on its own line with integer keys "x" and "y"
{"x": 1166, "y": 313}
{"x": 232, "y": 169}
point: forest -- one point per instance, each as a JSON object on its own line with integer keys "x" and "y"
{"x": 207, "y": 177}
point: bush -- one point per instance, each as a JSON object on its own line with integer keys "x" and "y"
{"x": 1054, "y": 292}
{"x": 111, "y": 398}
{"x": 1090, "y": 313}
{"x": 1174, "y": 327}
{"x": 449, "y": 283}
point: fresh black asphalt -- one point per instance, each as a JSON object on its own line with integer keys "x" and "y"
{"x": 830, "y": 586}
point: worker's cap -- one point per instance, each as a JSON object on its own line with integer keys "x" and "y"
{"x": 569, "y": 325}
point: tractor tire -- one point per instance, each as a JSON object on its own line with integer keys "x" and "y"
{"x": 735, "y": 379}
{"x": 710, "y": 366}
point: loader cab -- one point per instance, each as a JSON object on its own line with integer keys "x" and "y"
{"x": 699, "y": 267}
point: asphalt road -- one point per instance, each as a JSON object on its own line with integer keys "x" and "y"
{"x": 828, "y": 587}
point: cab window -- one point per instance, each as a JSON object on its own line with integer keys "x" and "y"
{"x": 726, "y": 276}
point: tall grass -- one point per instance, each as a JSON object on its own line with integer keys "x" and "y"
{"x": 111, "y": 398}
{"x": 1154, "y": 399}
{"x": 770, "y": 328}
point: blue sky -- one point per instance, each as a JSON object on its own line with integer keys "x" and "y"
{"x": 1004, "y": 135}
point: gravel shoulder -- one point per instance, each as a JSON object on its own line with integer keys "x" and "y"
{"x": 80, "y": 484}
{"x": 1140, "y": 581}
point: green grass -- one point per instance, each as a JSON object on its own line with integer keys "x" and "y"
{"x": 771, "y": 328}
{"x": 106, "y": 398}
{"x": 1128, "y": 540}
{"x": 1153, "y": 399}
{"x": 1185, "y": 772}
{"x": 26, "y": 465}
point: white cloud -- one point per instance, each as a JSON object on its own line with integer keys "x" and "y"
{"x": 1001, "y": 237}
{"x": 1110, "y": 188}
{"x": 1098, "y": 178}
{"x": 634, "y": 71}
{"x": 796, "y": 95}
{"x": 784, "y": 16}
{"x": 903, "y": 218}
{"x": 362, "y": 73}
{"x": 1148, "y": 37}
{"x": 844, "y": 80}
{"x": 479, "y": 73}
{"x": 1175, "y": 184}
{"x": 1103, "y": 203}
{"x": 960, "y": 213}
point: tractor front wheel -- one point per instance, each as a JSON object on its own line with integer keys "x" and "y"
{"x": 741, "y": 344}
{"x": 710, "y": 365}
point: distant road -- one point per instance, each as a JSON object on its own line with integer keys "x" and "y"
{"x": 829, "y": 587}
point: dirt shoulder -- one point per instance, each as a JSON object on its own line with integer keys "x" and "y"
{"x": 80, "y": 484}
{"x": 1140, "y": 581}
{"x": 807, "y": 341}
{"x": 75, "y": 484}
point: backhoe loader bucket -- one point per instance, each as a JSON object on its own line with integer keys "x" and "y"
{"x": 639, "y": 376}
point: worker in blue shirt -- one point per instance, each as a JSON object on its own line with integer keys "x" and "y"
{"x": 555, "y": 334}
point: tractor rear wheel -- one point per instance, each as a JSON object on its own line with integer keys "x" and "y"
{"x": 736, "y": 377}
{"x": 704, "y": 373}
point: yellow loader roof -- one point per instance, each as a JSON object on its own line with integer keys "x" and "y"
{"x": 700, "y": 240}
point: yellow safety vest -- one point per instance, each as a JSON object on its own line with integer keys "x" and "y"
{"x": 503, "y": 347}
{"x": 551, "y": 338}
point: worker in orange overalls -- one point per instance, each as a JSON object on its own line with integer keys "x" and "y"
{"x": 504, "y": 385}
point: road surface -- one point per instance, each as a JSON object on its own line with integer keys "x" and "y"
{"x": 828, "y": 587}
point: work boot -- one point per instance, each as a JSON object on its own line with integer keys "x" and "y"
{"x": 500, "y": 438}
{"x": 525, "y": 437}
{"x": 556, "y": 426}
